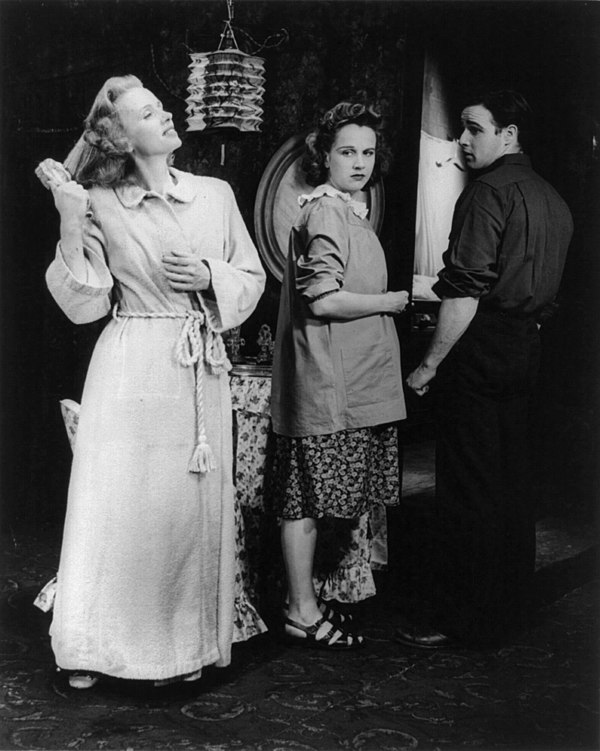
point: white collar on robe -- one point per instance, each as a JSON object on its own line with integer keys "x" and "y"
{"x": 182, "y": 189}
{"x": 357, "y": 207}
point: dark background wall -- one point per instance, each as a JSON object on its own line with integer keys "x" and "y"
{"x": 56, "y": 55}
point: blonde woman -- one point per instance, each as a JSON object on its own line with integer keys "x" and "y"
{"x": 146, "y": 575}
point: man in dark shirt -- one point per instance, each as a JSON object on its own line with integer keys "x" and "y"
{"x": 507, "y": 248}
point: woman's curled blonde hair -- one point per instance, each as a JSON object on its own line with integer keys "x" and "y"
{"x": 102, "y": 156}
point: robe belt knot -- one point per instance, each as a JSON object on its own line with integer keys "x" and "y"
{"x": 197, "y": 344}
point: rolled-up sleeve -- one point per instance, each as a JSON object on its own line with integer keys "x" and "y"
{"x": 471, "y": 261}
{"x": 321, "y": 249}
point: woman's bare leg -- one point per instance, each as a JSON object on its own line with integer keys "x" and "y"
{"x": 298, "y": 541}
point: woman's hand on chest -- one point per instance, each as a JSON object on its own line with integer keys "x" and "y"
{"x": 186, "y": 273}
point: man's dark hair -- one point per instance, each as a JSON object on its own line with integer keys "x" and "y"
{"x": 509, "y": 108}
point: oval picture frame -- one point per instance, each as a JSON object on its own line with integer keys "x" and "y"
{"x": 276, "y": 206}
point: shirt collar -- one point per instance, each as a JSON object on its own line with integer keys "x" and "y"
{"x": 520, "y": 158}
{"x": 357, "y": 207}
{"x": 182, "y": 189}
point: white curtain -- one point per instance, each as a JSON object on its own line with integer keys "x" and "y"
{"x": 442, "y": 176}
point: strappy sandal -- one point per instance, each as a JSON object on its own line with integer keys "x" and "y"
{"x": 332, "y": 614}
{"x": 322, "y": 635}
{"x": 328, "y": 611}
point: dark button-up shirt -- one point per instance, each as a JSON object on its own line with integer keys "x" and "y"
{"x": 509, "y": 238}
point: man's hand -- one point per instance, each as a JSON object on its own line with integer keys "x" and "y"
{"x": 419, "y": 379}
{"x": 454, "y": 316}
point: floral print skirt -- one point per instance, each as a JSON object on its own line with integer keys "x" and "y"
{"x": 337, "y": 475}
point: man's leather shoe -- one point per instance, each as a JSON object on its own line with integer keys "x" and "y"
{"x": 420, "y": 636}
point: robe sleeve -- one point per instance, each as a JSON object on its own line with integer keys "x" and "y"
{"x": 87, "y": 299}
{"x": 238, "y": 279}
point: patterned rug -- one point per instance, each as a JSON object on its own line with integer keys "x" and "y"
{"x": 538, "y": 693}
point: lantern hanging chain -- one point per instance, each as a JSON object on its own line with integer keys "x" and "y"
{"x": 228, "y": 35}
{"x": 280, "y": 37}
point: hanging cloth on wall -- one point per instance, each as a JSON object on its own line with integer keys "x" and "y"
{"x": 442, "y": 176}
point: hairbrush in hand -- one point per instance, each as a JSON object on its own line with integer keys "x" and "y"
{"x": 52, "y": 173}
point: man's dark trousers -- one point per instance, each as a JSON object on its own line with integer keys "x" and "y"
{"x": 485, "y": 542}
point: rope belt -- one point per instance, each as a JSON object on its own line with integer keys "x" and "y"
{"x": 197, "y": 343}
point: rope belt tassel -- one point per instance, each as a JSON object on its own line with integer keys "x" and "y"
{"x": 197, "y": 344}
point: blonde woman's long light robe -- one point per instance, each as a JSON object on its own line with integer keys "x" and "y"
{"x": 146, "y": 575}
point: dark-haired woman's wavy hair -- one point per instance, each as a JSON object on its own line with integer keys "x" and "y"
{"x": 320, "y": 140}
{"x": 102, "y": 156}
{"x": 509, "y": 108}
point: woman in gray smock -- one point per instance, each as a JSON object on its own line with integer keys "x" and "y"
{"x": 337, "y": 383}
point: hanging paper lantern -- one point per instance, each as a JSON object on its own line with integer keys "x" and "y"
{"x": 226, "y": 89}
